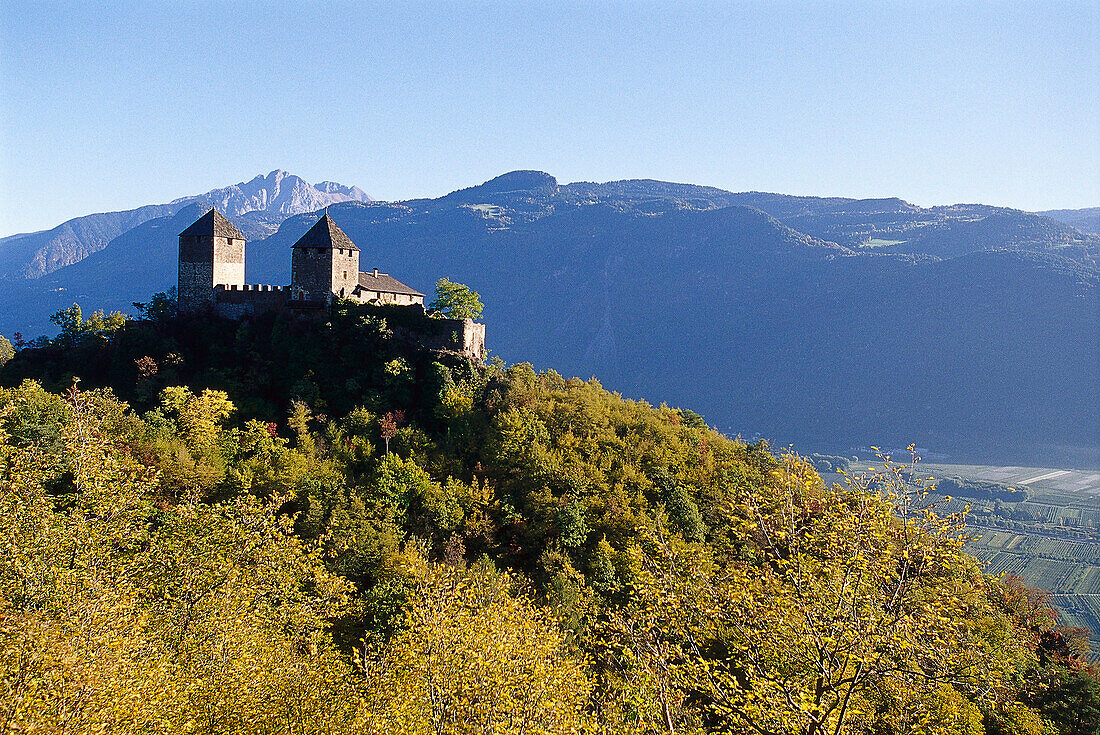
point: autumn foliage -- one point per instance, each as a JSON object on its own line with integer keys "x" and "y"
{"x": 532, "y": 555}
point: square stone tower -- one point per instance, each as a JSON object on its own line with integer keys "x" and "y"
{"x": 211, "y": 253}
{"x": 324, "y": 263}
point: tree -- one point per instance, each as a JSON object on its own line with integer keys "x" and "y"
{"x": 838, "y": 616}
{"x": 179, "y": 571}
{"x": 471, "y": 656}
{"x": 122, "y": 613}
{"x": 7, "y": 351}
{"x": 190, "y": 439}
{"x": 160, "y": 307}
{"x": 455, "y": 301}
{"x": 682, "y": 511}
{"x": 74, "y": 327}
{"x": 388, "y": 426}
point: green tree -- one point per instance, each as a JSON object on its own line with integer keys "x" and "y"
{"x": 683, "y": 513}
{"x": 574, "y": 528}
{"x": 188, "y": 436}
{"x": 74, "y": 327}
{"x": 160, "y": 307}
{"x": 455, "y": 301}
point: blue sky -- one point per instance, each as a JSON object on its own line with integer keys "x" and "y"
{"x": 108, "y": 106}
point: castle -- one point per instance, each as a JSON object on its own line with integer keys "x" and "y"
{"x": 324, "y": 266}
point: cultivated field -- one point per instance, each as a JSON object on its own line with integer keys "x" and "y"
{"x": 1051, "y": 539}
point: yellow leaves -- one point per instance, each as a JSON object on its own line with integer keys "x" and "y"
{"x": 457, "y": 401}
{"x": 207, "y": 620}
{"x": 799, "y": 600}
{"x": 473, "y": 657}
{"x": 839, "y": 597}
{"x": 198, "y": 417}
{"x": 86, "y": 669}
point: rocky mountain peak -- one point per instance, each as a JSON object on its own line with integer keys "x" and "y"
{"x": 352, "y": 192}
{"x": 278, "y": 192}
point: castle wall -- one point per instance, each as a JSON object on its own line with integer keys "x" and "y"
{"x": 196, "y": 249}
{"x": 473, "y": 339}
{"x": 320, "y": 273}
{"x": 228, "y": 261}
{"x": 457, "y": 335}
{"x": 400, "y": 299}
{"x": 196, "y": 274}
{"x": 311, "y": 273}
{"x": 237, "y": 301}
{"x": 383, "y": 297}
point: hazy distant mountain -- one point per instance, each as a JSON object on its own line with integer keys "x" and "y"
{"x": 896, "y": 226}
{"x": 261, "y": 204}
{"x": 136, "y": 264}
{"x": 1086, "y": 220}
{"x": 828, "y": 323}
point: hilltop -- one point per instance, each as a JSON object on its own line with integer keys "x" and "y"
{"x": 315, "y": 525}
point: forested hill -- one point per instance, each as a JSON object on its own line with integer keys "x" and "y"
{"x": 302, "y": 526}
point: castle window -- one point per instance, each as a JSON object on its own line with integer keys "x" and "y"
{"x": 345, "y": 275}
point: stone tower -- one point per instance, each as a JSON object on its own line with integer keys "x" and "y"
{"x": 324, "y": 263}
{"x": 211, "y": 253}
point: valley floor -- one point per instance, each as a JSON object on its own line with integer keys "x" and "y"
{"x": 1051, "y": 540}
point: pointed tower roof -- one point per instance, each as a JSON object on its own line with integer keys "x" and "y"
{"x": 325, "y": 234}
{"x": 212, "y": 223}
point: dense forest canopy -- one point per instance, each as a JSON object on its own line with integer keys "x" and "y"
{"x": 286, "y": 525}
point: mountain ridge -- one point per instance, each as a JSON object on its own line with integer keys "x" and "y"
{"x": 262, "y": 202}
{"x": 279, "y": 192}
{"x": 1086, "y": 219}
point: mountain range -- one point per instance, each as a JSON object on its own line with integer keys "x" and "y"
{"x": 829, "y": 323}
{"x": 257, "y": 206}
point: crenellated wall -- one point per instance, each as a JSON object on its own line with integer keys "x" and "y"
{"x": 237, "y": 301}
